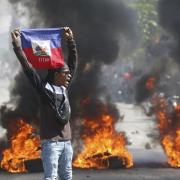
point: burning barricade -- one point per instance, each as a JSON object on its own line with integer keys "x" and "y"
{"x": 24, "y": 145}
{"x": 101, "y": 143}
{"x": 167, "y": 114}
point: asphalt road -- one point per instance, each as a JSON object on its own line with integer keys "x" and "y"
{"x": 115, "y": 174}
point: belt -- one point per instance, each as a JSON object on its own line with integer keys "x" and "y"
{"x": 54, "y": 140}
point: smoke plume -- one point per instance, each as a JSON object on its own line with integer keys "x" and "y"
{"x": 169, "y": 16}
{"x": 97, "y": 27}
{"x": 164, "y": 55}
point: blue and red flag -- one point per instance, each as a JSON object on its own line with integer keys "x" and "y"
{"x": 42, "y": 47}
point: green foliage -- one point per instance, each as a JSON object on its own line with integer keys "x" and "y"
{"x": 147, "y": 17}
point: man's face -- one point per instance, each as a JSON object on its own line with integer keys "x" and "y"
{"x": 62, "y": 78}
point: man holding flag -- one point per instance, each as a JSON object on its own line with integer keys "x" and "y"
{"x": 41, "y": 48}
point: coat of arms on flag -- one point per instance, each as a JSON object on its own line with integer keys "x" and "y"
{"x": 42, "y": 47}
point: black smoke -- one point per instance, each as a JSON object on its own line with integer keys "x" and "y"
{"x": 169, "y": 16}
{"x": 163, "y": 55}
{"x": 97, "y": 26}
{"x": 156, "y": 71}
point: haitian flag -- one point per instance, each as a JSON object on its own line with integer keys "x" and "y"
{"x": 42, "y": 47}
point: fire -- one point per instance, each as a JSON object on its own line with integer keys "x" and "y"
{"x": 150, "y": 84}
{"x": 101, "y": 143}
{"x": 172, "y": 148}
{"x": 23, "y": 146}
{"x": 169, "y": 126}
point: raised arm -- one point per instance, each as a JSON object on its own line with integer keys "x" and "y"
{"x": 72, "y": 56}
{"x": 27, "y": 67}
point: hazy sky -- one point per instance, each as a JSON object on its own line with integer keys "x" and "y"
{"x": 5, "y": 16}
{"x": 5, "y": 22}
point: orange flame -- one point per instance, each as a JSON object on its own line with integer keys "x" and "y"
{"x": 150, "y": 84}
{"x": 101, "y": 143}
{"x": 172, "y": 148}
{"x": 23, "y": 146}
{"x": 169, "y": 126}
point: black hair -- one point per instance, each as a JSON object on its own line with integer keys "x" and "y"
{"x": 51, "y": 72}
{"x": 50, "y": 76}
